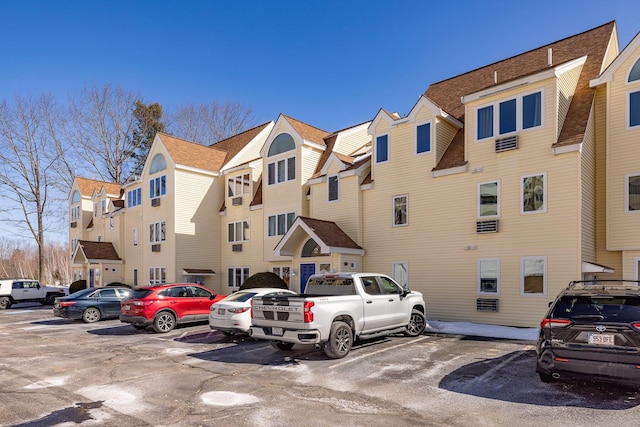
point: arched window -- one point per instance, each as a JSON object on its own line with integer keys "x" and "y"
{"x": 282, "y": 143}
{"x": 158, "y": 163}
{"x": 634, "y": 74}
{"x": 311, "y": 249}
{"x": 76, "y": 197}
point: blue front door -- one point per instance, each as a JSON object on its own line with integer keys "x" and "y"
{"x": 306, "y": 270}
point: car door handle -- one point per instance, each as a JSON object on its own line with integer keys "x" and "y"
{"x": 369, "y": 301}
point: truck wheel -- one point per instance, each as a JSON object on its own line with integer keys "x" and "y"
{"x": 49, "y": 299}
{"x": 416, "y": 325}
{"x": 164, "y": 322}
{"x": 279, "y": 345}
{"x": 5, "y": 303}
{"x": 91, "y": 315}
{"x": 340, "y": 341}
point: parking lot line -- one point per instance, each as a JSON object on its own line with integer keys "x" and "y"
{"x": 355, "y": 359}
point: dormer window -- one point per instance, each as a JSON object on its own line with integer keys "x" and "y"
{"x": 239, "y": 185}
{"x": 510, "y": 115}
{"x": 281, "y": 144}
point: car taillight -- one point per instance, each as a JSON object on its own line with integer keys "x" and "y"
{"x": 636, "y": 325}
{"x": 308, "y": 314}
{"x": 251, "y": 313}
{"x": 67, "y": 303}
{"x": 555, "y": 323}
{"x": 142, "y": 303}
{"x": 238, "y": 310}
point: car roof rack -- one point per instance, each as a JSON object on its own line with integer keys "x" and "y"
{"x": 605, "y": 284}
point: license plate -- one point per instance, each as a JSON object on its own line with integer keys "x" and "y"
{"x": 221, "y": 311}
{"x": 126, "y": 307}
{"x": 277, "y": 331}
{"x": 601, "y": 339}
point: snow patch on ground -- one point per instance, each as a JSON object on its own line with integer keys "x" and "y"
{"x": 479, "y": 330}
{"x": 177, "y": 351}
{"x": 114, "y": 397}
{"x": 228, "y": 398}
{"x": 47, "y": 382}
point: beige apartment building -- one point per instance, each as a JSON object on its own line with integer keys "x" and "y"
{"x": 499, "y": 187}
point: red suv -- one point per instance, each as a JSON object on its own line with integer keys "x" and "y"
{"x": 166, "y": 306}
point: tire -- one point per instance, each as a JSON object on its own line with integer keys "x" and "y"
{"x": 164, "y": 322}
{"x": 5, "y": 303}
{"x": 229, "y": 333}
{"x": 91, "y": 315}
{"x": 546, "y": 378}
{"x": 140, "y": 327}
{"x": 416, "y": 325}
{"x": 340, "y": 341}
{"x": 279, "y": 345}
{"x": 50, "y": 299}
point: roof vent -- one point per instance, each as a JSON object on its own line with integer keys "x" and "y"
{"x": 550, "y": 57}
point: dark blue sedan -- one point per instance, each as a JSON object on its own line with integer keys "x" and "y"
{"x": 91, "y": 304}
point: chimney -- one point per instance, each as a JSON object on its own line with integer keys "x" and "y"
{"x": 550, "y": 57}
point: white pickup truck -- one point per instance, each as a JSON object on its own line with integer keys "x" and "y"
{"x": 336, "y": 310}
{"x": 14, "y": 291}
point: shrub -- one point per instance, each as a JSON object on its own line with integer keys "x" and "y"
{"x": 265, "y": 279}
{"x": 78, "y": 285}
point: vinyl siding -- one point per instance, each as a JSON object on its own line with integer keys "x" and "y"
{"x": 566, "y": 87}
{"x": 198, "y": 198}
{"x": 623, "y": 232}
{"x": 349, "y": 141}
{"x": 588, "y": 194}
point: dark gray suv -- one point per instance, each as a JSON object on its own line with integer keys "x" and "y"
{"x": 592, "y": 331}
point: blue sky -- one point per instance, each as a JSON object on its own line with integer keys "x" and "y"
{"x": 329, "y": 63}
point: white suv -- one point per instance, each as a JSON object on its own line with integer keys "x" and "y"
{"x": 13, "y": 291}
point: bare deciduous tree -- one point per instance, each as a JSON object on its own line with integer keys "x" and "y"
{"x": 210, "y": 123}
{"x": 19, "y": 259}
{"x": 27, "y": 157}
{"x": 100, "y": 126}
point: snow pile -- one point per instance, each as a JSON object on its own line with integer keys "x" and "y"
{"x": 479, "y": 330}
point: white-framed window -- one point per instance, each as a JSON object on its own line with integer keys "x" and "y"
{"x": 105, "y": 206}
{"x": 533, "y": 275}
{"x": 633, "y": 107}
{"x": 284, "y": 273}
{"x": 382, "y": 148}
{"x": 239, "y": 185}
{"x": 158, "y": 232}
{"x": 400, "y": 273}
{"x": 158, "y": 187}
{"x": 509, "y": 115}
{"x": 533, "y": 193}
{"x": 400, "y": 210}
{"x": 157, "y": 275}
{"x": 75, "y": 213}
{"x": 111, "y": 222}
{"x": 135, "y": 236}
{"x": 134, "y": 197}
{"x": 488, "y": 199}
{"x": 95, "y": 209}
{"x": 632, "y": 193}
{"x": 333, "y": 188}
{"x": 278, "y": 225}
{"x": 489, "y": 276}
{"x": 236, "y": 276}
{"x": 238, "y": 231}
{"x": 74, "y": 245}
{"x": 423, "y": 138}
{"x": 281, "y": 170}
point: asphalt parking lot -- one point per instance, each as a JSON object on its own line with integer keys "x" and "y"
{"x": 68, "y": 373}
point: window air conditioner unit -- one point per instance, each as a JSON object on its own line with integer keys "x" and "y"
{"x": 155, "y": 202}
{"x": 487, "y": 226}
{"x": 506, "y": 144}
{"x": 155, "y": 248}
{"x": 236, "y": 201}
{"x": 237, "y": 247}
{"x": 486, "y": 304}
{"x": 74, "y": 224}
